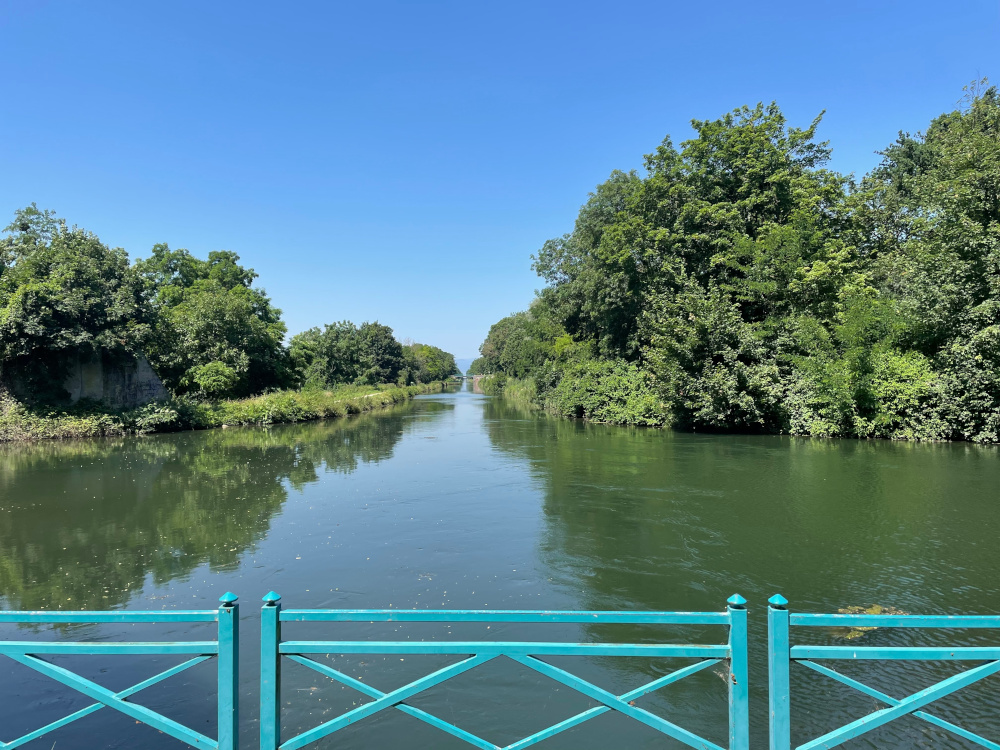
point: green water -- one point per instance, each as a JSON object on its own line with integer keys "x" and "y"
{"x": 461, "y": 501}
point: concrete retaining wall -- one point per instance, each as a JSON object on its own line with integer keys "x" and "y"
{"x": 119, "y": 386}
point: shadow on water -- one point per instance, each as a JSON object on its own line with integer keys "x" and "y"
{"x": 119, "y": 511}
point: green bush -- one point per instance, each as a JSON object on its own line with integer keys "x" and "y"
{"x": 493, "y": 385}
{"x": 212, "y": 379}
{"x": 523, "y": 391}
{"x": 608, "y": 391}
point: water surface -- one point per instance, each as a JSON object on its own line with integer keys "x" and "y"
{"x": 461, "y": 501}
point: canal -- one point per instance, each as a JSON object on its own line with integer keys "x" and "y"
{"x": 457, "y": 500}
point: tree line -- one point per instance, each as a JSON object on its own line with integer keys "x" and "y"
{"x": 207, "y": 331}
{"x": 739, "y": 284}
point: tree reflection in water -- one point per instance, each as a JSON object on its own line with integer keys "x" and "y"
{"x": 83, "y": 523}
{"x": 652, "y": 519}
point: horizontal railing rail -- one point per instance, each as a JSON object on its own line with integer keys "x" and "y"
{"x": 126, "y": 616}
{"x": 782, "y": 653}
{"x": 477, "y": 653}
{"x": 225, "y": 650}
{"x": 503, "y": 615}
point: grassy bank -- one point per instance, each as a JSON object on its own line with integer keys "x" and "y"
{"x": 20, "y": 422}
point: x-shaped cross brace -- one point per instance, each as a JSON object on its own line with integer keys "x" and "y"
{"x": 898, "y": 708}
{"x": 110, "y": 699}
{"x": 393, "y": 699}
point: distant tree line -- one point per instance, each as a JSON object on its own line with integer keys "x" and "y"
{"x": 367, "y": 354}
{"x": 739, "y": 284}
{"x": 205, "y": 328}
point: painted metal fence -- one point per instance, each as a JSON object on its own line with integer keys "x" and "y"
{"x": 274, "y": 648}
{"x": 225, "y": 650}
{"x": 782, "y": 653}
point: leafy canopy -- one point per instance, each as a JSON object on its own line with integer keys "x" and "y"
{"x": 762, "y": 291}
{"x": 64, "y": 295}
{"x": 214, "y": 333}
{"x": 342, "y": 352}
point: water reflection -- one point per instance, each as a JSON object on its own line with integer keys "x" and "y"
{"x": 84, "y": 524}
{"x": 486, "y": 506}
{"x": 648, "y": 519}
{"x": 658, "y": 519}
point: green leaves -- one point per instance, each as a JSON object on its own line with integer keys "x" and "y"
{"x": 342, "y": 352}
{"x": 64, "y": 295}
{"x": 212, "y": 379}
{"x": 608, "y": 391}
{"x": 207, "y": 323}
{"x": 521, "y": 343}
{"x": 765, "y": 292}
{"x": 204, "y": 327}
{"x": 713, "y": 367}
{"x": 431, "y": 363}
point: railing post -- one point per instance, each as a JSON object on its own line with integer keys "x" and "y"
{"x": 778, "y": 658}
{"x": 739, "y": 675}
{"x": 229, "y": 672}
{"x": 270, "y": 673}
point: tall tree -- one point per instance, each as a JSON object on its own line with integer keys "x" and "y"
{"x": 64, "y": 295}
{"x": 215, "y": 334}
{"x": 381, "y": 355}
{"x": 342, "y": 352}
{"x": 932, "y": 213}
{"x": 432, "y": 363}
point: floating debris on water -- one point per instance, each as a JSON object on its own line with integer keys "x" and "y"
{"x": 857, "y": 631}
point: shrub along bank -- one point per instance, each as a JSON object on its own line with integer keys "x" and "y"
{"x": 608, "y": 392}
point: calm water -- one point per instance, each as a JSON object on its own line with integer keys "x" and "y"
{"x": 460, "y": 501}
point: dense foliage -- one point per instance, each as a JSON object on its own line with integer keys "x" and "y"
{"x": 64, "y": 295}
{"x": 427, "y": 363}
{"x": 345, "y": 353}
{"x": 739, "y": 284}
{"x": 214, "y": 334}
{"x": 208, "y": 332}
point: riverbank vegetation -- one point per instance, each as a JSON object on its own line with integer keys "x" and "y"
{"x": 88, "y": 419}
{"x": 738, "y": 284}
{"x": 214, "y": 339}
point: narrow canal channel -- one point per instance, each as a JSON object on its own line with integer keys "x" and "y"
{"x": 461, "y": 501}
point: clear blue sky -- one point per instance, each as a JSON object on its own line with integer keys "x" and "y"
{"x": 401, "y": 161}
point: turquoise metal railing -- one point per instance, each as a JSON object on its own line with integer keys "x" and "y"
{"x": 782, "y": 653}
{"x": 225, "y": 649}
{"x": 274, "y": 648}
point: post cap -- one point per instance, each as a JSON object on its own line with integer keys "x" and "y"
{"x": 778, "y": 601}
{"x": 229, "y": 598}
{"x": 271, "y": 598}
{"x": 736, "y": 601}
